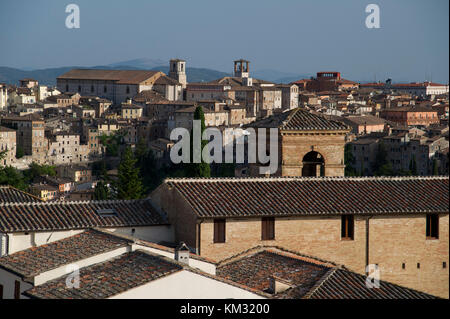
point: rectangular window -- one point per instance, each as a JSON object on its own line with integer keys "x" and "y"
{"x": 432, "y": 226}
{"x": 219, "y": 230}
{"x": 1, "y": 291}
{"x": 17, "y": 290}
{"x": 268, "y": 228}
{"x": 347, "y": 224}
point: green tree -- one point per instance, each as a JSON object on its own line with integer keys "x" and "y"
{"x": 19, "y": 152}
{"x": 101, "y": 191}
{"x": 36, "y": 170}
{"x": 201, "y": 169}
{"x": 13, "y": 177}
{"x": 129, "y": 184}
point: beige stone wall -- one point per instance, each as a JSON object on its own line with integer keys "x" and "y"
{"x": 316, "y": 236}
{"x": 295, "y": 145}
{"x": 179, "y": 213}
{"x": 392, "y": 241}
{"x": 398, "y": 240}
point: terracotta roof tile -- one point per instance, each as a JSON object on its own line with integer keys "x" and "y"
{"x": 34, "y": 261}
{"x": 109, "y": 278}
{"x": 297, "y": 196}
{"x": 24, "y": 217}
{"x": 10, "y": 194}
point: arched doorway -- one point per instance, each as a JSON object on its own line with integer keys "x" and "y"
{"x": 313, "y": 164}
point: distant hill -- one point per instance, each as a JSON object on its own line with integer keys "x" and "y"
{"x": 48, "y": 76}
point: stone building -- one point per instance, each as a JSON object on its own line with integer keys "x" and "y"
{"x": 30, "y": 135}
{"x": 289, "y": 96}
{"x": 351, "y": 221}
{"x": 178, "y": 71}
{"x": 3, "y": 97}
{"x": 65, "y": 148}
{"x": 114, "y": 85}
{"x": 308, "y": 144}
{"x": 8, "y": 144}
{"x": 410, "y": 115}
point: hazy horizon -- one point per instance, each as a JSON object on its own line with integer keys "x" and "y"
{"x": 287, "y": 36}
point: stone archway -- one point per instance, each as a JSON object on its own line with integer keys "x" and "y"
{"x": 313, "y": 164}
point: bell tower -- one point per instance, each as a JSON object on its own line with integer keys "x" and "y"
{"x": 177, "y": 71}
{"x": 241, "y": 69}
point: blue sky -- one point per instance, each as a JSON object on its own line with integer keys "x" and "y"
{"x": 287, "y": 35}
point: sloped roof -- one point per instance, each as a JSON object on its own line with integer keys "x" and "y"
{"x": 9, "y": 194}
{"x": 300, "y": 196}
{"x": 121, "y": 76}
{"x": 309, "y": 277}
{"x": 109, "y": 278}
{"x": 299, "y": 120}
{"x": 34, "y": 261}
{"x": 52, "y": 216}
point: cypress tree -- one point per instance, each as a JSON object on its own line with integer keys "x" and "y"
{"x": 201, "y": 169}
{"x": 129, "y": 184}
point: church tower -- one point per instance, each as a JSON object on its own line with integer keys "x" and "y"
{"x": 178, "y": 71}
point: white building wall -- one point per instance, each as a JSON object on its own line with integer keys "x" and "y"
{"x": 7, "y": 280}
{"x": 187, "y": 285}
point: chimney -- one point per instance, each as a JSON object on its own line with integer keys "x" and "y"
{"x": 278, "y": 285}
{"x": 182, "y": 253}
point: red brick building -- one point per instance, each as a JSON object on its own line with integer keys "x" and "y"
{"x": 411, "y": 115}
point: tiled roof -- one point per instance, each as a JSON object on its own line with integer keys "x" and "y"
{"x": 109, "y": 278}
{"x": 297, "y": 196}
{"x": 308, "y": 277}
{"x": 344, "y": 284}
{"x": 9, "y": 194}
{"x": 34, "y": 261}
{"x": 25, "y": 217}
{"x": 299, "y": 120}
{"x": 165, "y": 80}
{"x": 121, "y": 76}
{"x": 256, "y": 269}
{"x": 303, "y": 120}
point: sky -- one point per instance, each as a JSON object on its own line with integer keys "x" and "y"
{"x": 301, "y": 37}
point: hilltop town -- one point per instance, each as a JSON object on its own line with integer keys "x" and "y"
{"x": 86, "y": 177}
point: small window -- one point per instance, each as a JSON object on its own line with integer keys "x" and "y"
{"x": 432, "y": 226}
{"x": 403, "y": 265}
{"x": 268, "y": 228}
{"x": 17, "y": 290}
{"x": 347, "y": 225}
{"x": 92, "y": 88}
{"x": 1, "y": 291}
{"x": 444, "y": 265}
{"x": 418, "y": 265}
{"x": 105, "y": 89}
{"x": 219, "y": 230}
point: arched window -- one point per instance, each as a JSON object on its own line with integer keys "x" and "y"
{"x": 313, "y": 164}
